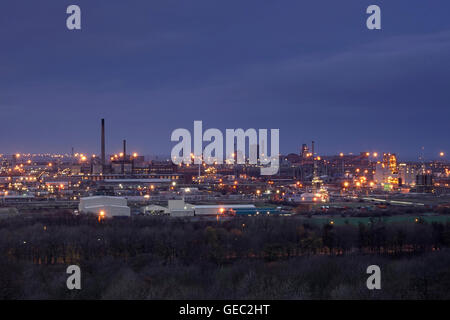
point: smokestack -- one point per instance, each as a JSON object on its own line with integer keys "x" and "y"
{"x": 103, "y": 145}
{"x": 124, "y": 155}
{"x": 314, "y": 161}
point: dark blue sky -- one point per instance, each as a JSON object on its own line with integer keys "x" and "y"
{"x": 309, "y": 68}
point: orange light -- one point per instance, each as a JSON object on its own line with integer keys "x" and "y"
{"x": 442, "y": 154}
{"x": 341, "y": 154}
{"x": 222, "y": 210}
{"x": 135, "y": 155}
{"x": 50, "y": 164}
{"x": 101, "y": 215}
{"x": 375, "y": 154}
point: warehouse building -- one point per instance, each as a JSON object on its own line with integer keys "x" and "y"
{"x": 179, "y": 208}
{"x": 213, "y": 210}
{"x": 104, "y": 206}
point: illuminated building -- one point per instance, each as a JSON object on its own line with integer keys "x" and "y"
{"x": 386, "y": 172}
{"x": 407, "y": 174}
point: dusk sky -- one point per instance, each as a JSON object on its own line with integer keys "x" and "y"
{"x": 310, "y": 68}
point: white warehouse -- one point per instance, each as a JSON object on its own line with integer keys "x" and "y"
{"x": 104, "y": 206}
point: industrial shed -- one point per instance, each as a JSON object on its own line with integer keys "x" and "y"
{"x": 211, "y": 210}
{"x": 105, "y": 206}
{"x": 179, "y": 208}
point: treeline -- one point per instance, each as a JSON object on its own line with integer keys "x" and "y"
{"x": 425, "y": 276}
{"x": 64, "y": 238}
{"x": 252, "y": 257}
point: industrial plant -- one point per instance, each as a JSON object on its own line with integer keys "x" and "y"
{"x": 126, "y": 184}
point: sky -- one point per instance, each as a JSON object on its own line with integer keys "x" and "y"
{"x": 309, "y": 68}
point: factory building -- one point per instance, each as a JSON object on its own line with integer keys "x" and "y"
{"x": 216, "y": 209}
{"x": 408, "y": 174}
{"x": 179, "y": 208}
{"x": 387, "y": 172}
{"x": 104, "y": 206}
{"x": 308, "y": 197}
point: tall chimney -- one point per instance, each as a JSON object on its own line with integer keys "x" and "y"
{"x": 103, "y": 145}
{"x": 124, "y": 155}
{"x": 314, "y": 161}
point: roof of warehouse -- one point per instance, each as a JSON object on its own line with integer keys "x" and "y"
{"x": 105, "y": 205}
{"x": 101, "y": 197}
